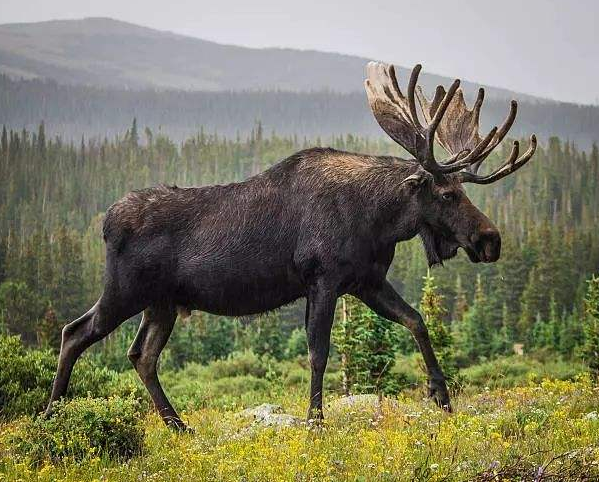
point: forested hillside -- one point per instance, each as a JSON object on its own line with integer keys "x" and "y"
{"x": 54, "y": 193}
{"x": 76, "y": 111}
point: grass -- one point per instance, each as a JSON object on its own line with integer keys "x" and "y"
{"x": 542, "y": 431}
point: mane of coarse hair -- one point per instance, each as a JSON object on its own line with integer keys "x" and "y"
{"x": 335, "y": 169}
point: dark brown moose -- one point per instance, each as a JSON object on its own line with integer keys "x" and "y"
{"x": 317, "y": 225}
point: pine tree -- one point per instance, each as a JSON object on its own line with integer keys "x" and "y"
{"x": 503, "y": 341}
{"x": 20, "y": 310}
{"x": 49, "y": 329}
{"x": 4, "y": 142}
{"x": 68, "y": 287}
{"x": 41, "y": 140}
{"x": 133, "y": 134}
{"x": 367, "y": 345}
{"x": 431, "y": 307}
{"x": 266, "y": 336}
{"x": 461, "y": 302}
{"x": 590, "y": 347}
{"x": 478, "y": 334}
{"x": 532, "y": 303}
{"x": 297, "y": 344}
{"x": 571, "y": 334}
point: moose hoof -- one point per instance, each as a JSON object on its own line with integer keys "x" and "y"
{"x": 178, "y": 425}
{"x": 439, "y": 393}
{"x": 315, "y": 416}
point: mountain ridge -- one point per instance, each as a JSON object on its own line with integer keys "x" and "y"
{"x": 101, "y": 51}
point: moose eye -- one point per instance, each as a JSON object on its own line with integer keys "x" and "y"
{"x": 447, "y": 196}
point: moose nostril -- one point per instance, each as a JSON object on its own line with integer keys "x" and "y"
{"x": 489, "y": 244}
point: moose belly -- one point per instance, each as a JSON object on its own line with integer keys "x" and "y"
{"x": 235, "y": 291}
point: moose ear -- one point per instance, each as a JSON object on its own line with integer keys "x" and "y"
{"x": 416, "y": 179}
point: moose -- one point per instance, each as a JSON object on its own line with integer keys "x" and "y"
{"x": 320, "y": 224}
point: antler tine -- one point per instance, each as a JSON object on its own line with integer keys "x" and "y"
{"x": 394, "y": 112}
{"x": 471, "y": 158}
{"x": 428, "y": 157}
{"x": 411, "y": 99}
{"x": 512, "y": 164}
{"x": 480, "y": 147}
{"x": 501, "y": 133}
{"x": 456, "y": 157}
{"x": 442, "y": 108}
{"x": 479, "y": 101}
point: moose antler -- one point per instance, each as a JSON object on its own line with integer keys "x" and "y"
{"x": 448, "y": 118}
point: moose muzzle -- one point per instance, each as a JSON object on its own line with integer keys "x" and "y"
{"x": 485, "y": 245}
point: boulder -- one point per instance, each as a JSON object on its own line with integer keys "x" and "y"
{"x": 362, "y": 401}
{"x": 269, "y": 415}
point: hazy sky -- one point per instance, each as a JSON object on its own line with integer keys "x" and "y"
{"x": 542, "y": 47}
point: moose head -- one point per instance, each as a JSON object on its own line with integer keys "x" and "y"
{"x": 449, "y": 220}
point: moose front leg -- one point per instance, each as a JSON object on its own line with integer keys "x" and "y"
{"x": 320, "y": 311}
{"x": 387, "y": 303}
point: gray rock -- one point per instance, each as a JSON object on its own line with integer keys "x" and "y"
{"x": 368, "y": 400}
{"x": 261, "y": 411}
{"x": 280, "y": 420}
{"x": 269, "y": 415}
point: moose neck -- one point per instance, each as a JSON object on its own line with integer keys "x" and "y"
{"x": 392, "y": 207}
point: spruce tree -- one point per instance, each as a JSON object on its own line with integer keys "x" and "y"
{"x": 367, "y": 346}
{"x": 41, "y": 140}
{"x": 266, "y": 336}
{"x": 503, "y": 341}
{"x": 590, "y": 347}
{"x": 4, "y": 142}
{"x": 461, "y": 302}
{"x": 431, "y": 307}
{"x": 49, "y": 329}
{"x": 478, "y": 334}
{"x": 133, "y": 134}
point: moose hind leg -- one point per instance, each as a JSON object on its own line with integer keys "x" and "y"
{"x": 154, "y": 331}
{"x": 79, "y": 335}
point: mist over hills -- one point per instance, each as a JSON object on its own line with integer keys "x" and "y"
{"x": 76, "y": 111}
{"x": 107, "y": 52}
{"x": 105, "y": 72}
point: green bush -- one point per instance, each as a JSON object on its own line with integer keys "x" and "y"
{"x": 239, "y": 380}
{"x": 200, "y": 338}
{"x": 407, "y": 371}
{"x": 514, "y": 370}
{"x": 242, "y": 363}
{"x": 297, "y": 344}
{"x": 296, "y": 377}
{"x": 27, "y": 374}
{"x": 82, "y": 429}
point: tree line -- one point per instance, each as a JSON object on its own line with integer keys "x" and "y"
{"x": 72, "y": 111}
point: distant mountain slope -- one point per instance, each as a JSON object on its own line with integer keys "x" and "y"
{"x": 74, "y": 111}
{"x": 106, "y": 52}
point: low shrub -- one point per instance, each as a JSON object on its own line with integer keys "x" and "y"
{"x": 82, "y": 429}
{"x": 27, "y": 375}
{"x": 515, "y": 370}
{"x": 297, "y": 344}
{"x": 408, "y": 371}
{"x": 242, "y": 363}
{"x": 190, "y": 388}
{"x": 296, "y": 377}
